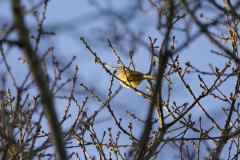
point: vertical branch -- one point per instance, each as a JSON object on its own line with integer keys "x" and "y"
{"x": 38, "y": 76}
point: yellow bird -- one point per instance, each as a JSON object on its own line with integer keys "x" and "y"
{"x": 132, "y": 78}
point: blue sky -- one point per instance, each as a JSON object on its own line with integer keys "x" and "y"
{"x": 73, "y": 19}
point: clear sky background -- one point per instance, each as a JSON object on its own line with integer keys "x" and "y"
{"x": 72, "y": 19}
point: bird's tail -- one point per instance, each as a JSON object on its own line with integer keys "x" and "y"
{"x": 149, "y": 76}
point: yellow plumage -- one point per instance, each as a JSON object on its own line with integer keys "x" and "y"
{"x": 132, "y": 78}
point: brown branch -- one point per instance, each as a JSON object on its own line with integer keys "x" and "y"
{"x": 38, "y": 76}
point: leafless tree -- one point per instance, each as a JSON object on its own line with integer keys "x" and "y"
{"x": 174, "y": 127}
